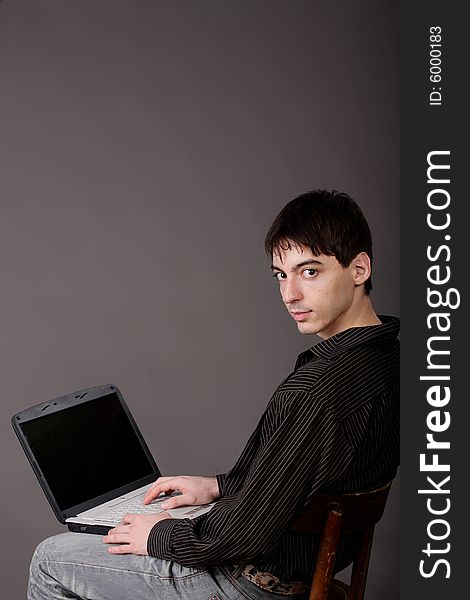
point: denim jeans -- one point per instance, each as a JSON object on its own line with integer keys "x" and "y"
{"x": 79, "y": 566}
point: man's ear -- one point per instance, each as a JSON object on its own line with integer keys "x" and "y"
{"x": 361, "y": 268}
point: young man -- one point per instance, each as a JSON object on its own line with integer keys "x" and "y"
{"x": 331, "y": 425}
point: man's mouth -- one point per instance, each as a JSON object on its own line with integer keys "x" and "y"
{"x": 300, "y": 315}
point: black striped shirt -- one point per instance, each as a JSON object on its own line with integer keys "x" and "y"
{"x": 332, "y": 424}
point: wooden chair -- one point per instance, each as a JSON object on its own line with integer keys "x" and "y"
{"x": 331, "y": 516}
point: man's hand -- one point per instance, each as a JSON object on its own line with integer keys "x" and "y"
{"x": 194, "y": 490}
{"x": 133, "y": 533}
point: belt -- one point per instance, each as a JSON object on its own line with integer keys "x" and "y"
{"x": 271, "y": 583}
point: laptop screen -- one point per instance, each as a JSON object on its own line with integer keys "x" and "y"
{"x": 87, "y": 450}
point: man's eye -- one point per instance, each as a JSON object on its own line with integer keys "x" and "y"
{"x": 278, "y": 275}
{"x": 310, "y": 272}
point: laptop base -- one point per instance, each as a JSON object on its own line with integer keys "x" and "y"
{"x": 96, "y": 529}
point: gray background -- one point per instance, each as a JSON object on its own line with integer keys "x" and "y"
{"x": 145, "y": 148}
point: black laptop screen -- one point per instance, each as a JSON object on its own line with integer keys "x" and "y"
{"x": 87, "y": 450}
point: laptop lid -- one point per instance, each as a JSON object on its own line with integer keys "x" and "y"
{"x": 85, "y": 449}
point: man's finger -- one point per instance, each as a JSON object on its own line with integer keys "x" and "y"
{"x": 119, "y": 529}
{"x": 176, "y": 501}
{"x": 129, "y": 518}
{"x": 116, "y": 538}
{"x": 156, "y": 490}
{"x": 159, "y": 483}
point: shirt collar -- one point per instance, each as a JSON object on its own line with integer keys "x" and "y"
{"x": 344, "y": 340}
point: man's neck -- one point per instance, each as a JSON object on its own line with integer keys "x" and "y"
{"x": 360, "y": 314}
{"x": 365, "y": 315}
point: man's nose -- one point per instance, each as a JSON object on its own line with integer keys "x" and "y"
{"x": 291, "y": 292}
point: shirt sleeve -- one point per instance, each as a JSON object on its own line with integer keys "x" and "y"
{"x": 221, "y": 477}
{"x": 306, "y": 450}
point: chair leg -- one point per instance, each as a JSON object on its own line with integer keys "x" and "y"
{"x": 326, "y": 558}
{"x": 361, "y": 566}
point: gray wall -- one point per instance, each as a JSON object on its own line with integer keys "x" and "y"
{"x": 145, "y": 148}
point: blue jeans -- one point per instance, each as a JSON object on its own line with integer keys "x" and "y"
{"x": 79, "y": 566}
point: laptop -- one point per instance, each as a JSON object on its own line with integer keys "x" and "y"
{"x": 91, "y": 459}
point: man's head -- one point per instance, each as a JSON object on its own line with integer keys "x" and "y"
{"x": 328, "y": 223}
{"x": 321, "y": 248}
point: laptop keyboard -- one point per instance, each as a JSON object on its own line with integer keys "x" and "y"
{"x": 134, "y": 506}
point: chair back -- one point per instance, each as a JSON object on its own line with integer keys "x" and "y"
{"x": 332, "y": 516}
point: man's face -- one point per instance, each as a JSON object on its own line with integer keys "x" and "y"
{"x": 318, "y": 292}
